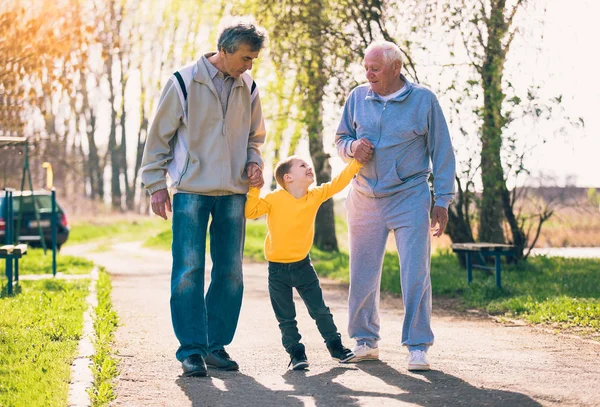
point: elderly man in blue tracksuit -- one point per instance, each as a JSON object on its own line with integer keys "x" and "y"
{"x": 398, "y": 130}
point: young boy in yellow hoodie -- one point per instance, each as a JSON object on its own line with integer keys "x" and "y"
{"x": 291, "y": 213}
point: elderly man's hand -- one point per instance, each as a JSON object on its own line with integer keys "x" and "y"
{"x": 362, "y": 150}
{"x": 161, "y": 203}
{"x": 439, "y": 218}
{"x": 255, "y": 175}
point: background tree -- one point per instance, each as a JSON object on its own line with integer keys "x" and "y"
{"x": 40, "y": 41}
{"x": 481, "y": 34}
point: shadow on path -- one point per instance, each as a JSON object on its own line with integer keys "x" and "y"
{"x": 433, "y": 388}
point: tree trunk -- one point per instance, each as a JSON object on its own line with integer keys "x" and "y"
{"x": 113, "y": 148}
{"x": 325, "y": 238}
{"x": 492, "y": 174}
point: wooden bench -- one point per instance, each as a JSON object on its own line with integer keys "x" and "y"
{"x": 12, "y": 254}
{"x": 484, "y": 249}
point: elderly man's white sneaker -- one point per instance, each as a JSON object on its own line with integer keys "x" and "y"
{"x": 364, "y": 352}
{"x": 417, "y": 361}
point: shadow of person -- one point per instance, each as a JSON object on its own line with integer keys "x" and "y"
{"x": 322, "y": 388}
{"x": 435, "y": 388}
{"x": 233, "y": 389}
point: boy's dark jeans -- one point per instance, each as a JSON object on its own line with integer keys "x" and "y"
{"x": 302, "y": 276}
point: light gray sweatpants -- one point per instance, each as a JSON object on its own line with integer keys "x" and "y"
{"x": 370, "y": 220}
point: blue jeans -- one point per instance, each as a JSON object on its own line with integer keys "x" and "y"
{"x": 283, "y": 277}
{"x": 202, "y": 324}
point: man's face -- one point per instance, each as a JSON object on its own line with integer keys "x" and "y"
{"x": 240, "y": 61}
{"x": 301, "y": 173}
{"x": 384, "y": 78}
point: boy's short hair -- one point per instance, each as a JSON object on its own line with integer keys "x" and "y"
{"x": 282, "y": 168}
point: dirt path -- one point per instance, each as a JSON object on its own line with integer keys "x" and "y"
{"x": 476, "y": 362}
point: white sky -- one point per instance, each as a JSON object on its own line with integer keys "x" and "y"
{"x": 569, "y": 60}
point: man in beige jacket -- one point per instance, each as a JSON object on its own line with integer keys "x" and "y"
{"x": 206, "y": 135}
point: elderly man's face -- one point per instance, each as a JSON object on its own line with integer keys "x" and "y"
{"x": 384, "y": 78}
{"x": 240, "y": 61}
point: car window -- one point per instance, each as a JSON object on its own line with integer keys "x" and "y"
{"x": 44, "y": 203}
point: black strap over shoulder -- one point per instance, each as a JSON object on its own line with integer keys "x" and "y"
{"x": 253, "y": 87}
{"x": 182, "y": 84}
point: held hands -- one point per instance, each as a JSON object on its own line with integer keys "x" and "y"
{"x": 255, "y": 175}
{"x": 362, "y": 150}
{"x": 439, "y": 218}
{"x": 161, "y": 203}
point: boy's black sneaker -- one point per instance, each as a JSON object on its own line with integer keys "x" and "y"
{"x": 339, "y": 352}
{"x": 298, "y": 361}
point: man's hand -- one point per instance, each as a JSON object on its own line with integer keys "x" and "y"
{"x": 362, "y": 150}
{"x": 161, "y": 203}
{"x": 255, "y": 175}
{"x": 439, "y": 217}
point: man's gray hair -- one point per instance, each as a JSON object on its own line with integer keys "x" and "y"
{"x": 391, "y": 52}
{"x": 243, "y": 32}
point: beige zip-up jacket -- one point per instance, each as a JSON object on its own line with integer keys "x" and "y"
{"x": 202, "y": 151}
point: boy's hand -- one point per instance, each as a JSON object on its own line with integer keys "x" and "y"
{"x": 362, "y": 150}
{"x": 255, "y": 175}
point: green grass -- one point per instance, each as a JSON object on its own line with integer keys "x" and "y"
{"x": 123, "y": 229}
{"x": 39, "y": 331}
{"x": 161, "y": 240}
{"x": 253, "y": 248}
{"x": 36, "y": 262}
{"x": 104, "y": 363}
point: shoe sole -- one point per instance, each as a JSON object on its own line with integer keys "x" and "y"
{"x": 224, "y": 369}
{"x": 346, "y": 360}
{"x": 418, "y": 368}
{"x": 300, "y": 366}
{"x": 195, "y": 374}
{"x": 357, "y": 359}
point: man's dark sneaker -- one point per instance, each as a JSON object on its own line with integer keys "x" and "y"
{"x": 220, "y": 359}
{"x": 298, "y": 360}
{"x": 339, "y": 352}
{"x": 194, "y": 366}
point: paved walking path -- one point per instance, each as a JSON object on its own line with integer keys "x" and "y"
{"x": 476, "y": 362}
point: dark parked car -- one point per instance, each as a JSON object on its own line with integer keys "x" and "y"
{"x": 29, "y": 232}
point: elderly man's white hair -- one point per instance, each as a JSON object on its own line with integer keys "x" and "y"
{"x": 390, "y": 51}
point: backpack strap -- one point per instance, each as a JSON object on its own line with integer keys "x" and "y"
{"x": 181, "y": 84}
{"x": 251, "y": 85}
{"x": 182, "y": 80}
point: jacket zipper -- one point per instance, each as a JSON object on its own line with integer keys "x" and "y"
{"x": 378, "y": 140}
{"x": 185, "y": 168}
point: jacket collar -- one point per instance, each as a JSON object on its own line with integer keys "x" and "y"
{"x": 203, "y": 75}
{"x": 409, "y": 87}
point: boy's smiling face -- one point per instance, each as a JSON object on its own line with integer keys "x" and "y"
{"x": 300, "y": 173}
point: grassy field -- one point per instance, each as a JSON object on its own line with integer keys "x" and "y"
{"x": 40, "y": 327}
{"x": 39, "y": 331}
{"x": 36, "y": 262}
{"x": 572, "y": 227}
{"x": 115, "y": 228}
